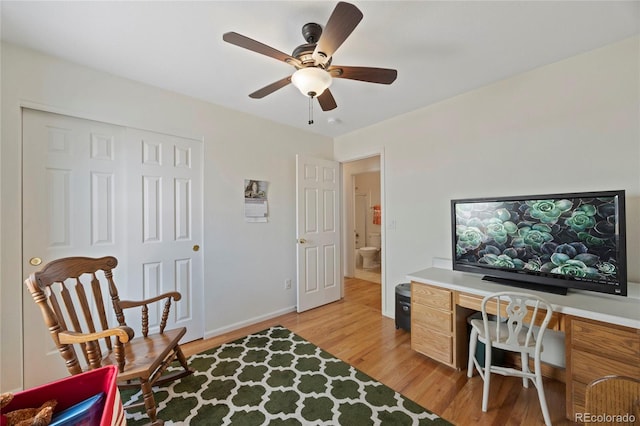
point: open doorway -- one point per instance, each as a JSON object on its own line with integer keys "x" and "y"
{"x": 363, "y": 230}
{"x": 367, "y": 226}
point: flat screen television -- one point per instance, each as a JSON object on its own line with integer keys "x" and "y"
{"x": 546, "y": 242}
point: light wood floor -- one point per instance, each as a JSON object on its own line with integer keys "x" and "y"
{"x": 373, "y": 275}
{"x": 354, "y": 330}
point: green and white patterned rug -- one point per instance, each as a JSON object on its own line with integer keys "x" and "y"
{"x": 275, "y": 377}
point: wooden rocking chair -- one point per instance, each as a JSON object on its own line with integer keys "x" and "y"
{"x": 141, "y": 361}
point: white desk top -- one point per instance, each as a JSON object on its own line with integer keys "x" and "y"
{"x": 586, "y": 304}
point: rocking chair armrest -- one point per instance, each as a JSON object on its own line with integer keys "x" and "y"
{"x": 123, "y": 333}
{"x": 125, "y": 304}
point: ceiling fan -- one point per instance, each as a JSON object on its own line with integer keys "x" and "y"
{"x": 312, "y": 60}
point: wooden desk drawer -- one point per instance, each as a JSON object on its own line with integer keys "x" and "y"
{"x": 434, "y": 319}
{"x": 432, "y": 344}
{"x": 596, "y": 349}
{"x": 606, "y": 339}
{"x": 470, "y": 301}
{"x": 579, "y": 391}
{"x": 423, "y": 294}
{"x": 586, "y": 367}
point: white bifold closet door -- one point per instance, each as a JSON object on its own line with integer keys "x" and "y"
{"x": 96, "y": 189}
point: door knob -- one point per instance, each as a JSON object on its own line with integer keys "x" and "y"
{"x": 35, "y": 261}
{"x": 302, "y": 241}
{"x": 196, "y": 247}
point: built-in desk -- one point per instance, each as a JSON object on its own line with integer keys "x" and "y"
{"x": 602, "y": 332}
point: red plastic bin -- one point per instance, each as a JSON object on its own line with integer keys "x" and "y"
{"x": 75, "y": 389}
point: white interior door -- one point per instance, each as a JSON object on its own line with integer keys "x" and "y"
{"x": 82, "y": 197}
{"x": 166, "y": 232}
{"x": 71, "y": 178}
{"x": 318, "y": 230}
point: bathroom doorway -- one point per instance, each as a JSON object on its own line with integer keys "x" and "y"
{"x": 363, "y": 219}
{"x": 360, "y": 217}
{"x": 367, "y": 225}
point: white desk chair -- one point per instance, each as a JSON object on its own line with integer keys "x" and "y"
{"x": 518, "y": 329}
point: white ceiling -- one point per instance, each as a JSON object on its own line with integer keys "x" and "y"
{"x": 440, "y": 48}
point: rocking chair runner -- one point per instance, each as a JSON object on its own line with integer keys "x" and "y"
{"x": 141, "y": 361}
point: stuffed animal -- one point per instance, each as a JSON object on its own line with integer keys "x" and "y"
{"x": 40, "y": 416}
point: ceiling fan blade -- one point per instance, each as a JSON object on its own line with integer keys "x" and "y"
{"x": 256, "y": 46}
{"x": 269, "y": 89}
{"x": 326, "y": 100}
{"x": 343, "y": 20}
{"x": 370, "y": 75}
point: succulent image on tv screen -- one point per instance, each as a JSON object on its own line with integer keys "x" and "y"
{"x": 570, "y": 237}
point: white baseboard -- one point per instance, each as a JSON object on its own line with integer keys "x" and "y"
{"x": 245, "y": 323}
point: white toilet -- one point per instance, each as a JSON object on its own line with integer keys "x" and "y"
{"x": 370, "y": 253}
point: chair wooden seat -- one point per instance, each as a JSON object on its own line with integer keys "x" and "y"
{"x": 139, "y": 353}
{"x": 63, "y": 290}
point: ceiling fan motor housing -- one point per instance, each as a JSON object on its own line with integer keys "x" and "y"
{"x": 311, "y": 32}
{"x": 304, "y": 53}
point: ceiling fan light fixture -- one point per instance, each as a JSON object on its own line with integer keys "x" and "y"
{"x": 311, "y": 81}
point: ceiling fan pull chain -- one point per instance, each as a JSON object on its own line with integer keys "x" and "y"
{"x": 310, "y": 110}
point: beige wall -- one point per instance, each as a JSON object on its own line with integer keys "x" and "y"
{"x": 569, "y": 126}
{"x": 236, "y": 147}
